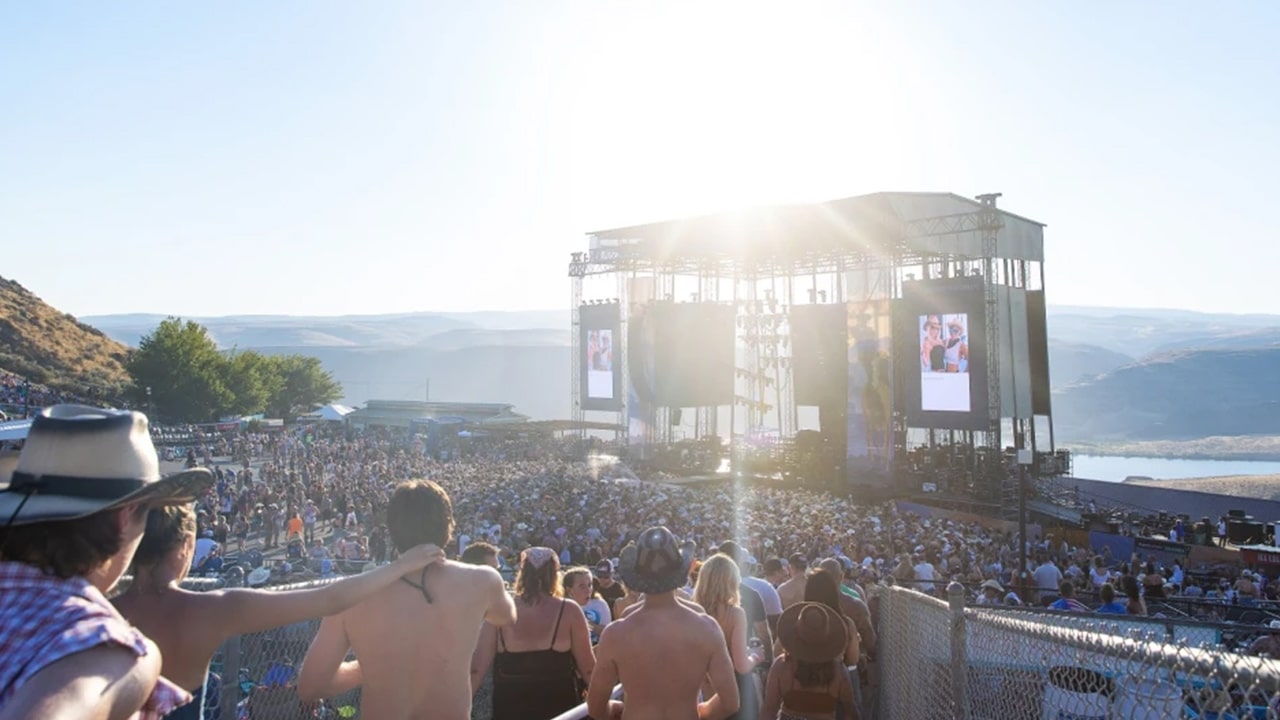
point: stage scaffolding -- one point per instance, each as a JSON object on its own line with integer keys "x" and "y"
{"x": 767, "y": 260}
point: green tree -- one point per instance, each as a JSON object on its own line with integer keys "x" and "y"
{"x": 179, "y": 374}
{"x": 304, "y": 385}
{"x": 253, "y": 380}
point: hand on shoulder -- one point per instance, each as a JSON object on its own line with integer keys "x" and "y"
{"x": 420, "y": 556}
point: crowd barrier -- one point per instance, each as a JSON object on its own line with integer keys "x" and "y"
{"x": 945, "y": 660}
{"x": 938, "y": 659}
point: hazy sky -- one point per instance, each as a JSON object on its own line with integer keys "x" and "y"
{"x": 341, "y": 157}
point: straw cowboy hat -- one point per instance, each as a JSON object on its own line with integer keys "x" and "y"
{"x": 655, "y": 562}
{"x": 991, "y": 585}
{"x": 812, "y": 632}
{"x": 80, "y": 460}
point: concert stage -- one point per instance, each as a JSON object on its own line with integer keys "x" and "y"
{"x": 888, "y": 340}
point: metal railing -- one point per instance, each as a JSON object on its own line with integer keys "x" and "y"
{"x": 945, "y": 660}
{"x": 937, "y": 659}
{"x": 580, "y": 712}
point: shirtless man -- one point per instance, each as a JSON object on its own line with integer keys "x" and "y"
{"x": 413, "y": 640}
{"x": 662, "y": 650}
{"x": 792, "y": 591}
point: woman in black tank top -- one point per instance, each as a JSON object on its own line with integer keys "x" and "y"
{"x": 541, "y": 683}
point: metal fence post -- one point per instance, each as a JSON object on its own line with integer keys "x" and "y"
{"x": 229, "y": 702}
{"x": 959, "y": 653}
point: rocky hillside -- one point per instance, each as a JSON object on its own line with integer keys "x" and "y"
{"x": 54, "y": 348}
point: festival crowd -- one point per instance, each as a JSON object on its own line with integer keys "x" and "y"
{"x": 761, "y": 592}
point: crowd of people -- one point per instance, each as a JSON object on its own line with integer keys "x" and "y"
{"x": 768, "y": 587}
{"x": 18, "y": 395}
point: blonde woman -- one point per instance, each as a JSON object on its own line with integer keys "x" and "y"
{"x": 717, "y": 592}
{"x": 578, "y": 588}
{"x": 542, "y": 662}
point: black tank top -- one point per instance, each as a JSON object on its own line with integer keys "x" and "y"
{"x": 535, "y": 684}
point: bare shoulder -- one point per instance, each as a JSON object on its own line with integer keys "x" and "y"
{"x": 473, "y": 578}
{"x": 480, "y": 575}
{"x": 704, "y": 627}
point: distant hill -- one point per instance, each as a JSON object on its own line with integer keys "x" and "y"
{"x": 1185, "y": 394}
{"x": 1118, "y": 374}
{"x": 252, "y": 331}
{"x": 1136, "y": 333}
{"x": 516, "y": 357}
{"x": 533, "y": 377}
{"x": 54, "y": 348}
{"x": 1071, "y": 362}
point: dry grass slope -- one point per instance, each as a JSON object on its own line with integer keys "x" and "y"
{"x": 52, "y": 347}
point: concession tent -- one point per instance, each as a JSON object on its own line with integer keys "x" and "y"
{"x": 331, "y": 413}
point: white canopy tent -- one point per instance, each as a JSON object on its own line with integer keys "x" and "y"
{"x": 331, "y": 413}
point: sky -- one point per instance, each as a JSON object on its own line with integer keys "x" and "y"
{"x": 317, "y": 157}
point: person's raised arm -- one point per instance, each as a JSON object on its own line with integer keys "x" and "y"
{"x": 482, "y": 656}
{"x": 725, "y": 701}
{"x": 325, "y": 671}
{"x": 107, "y": 682}
{"x": 603, "y": 678}
{"x": 502, "y": 609}
{"x": 240, "y": 611}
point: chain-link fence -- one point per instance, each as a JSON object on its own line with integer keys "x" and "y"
{"x": 943, "y": 660}
{"x": 254, "y": 676}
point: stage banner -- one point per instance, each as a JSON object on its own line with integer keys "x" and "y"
{"x": 869, "y": 453}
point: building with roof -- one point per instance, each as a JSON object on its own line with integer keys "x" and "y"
{"x": 402, "y": 413}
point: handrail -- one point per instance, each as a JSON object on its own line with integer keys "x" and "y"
{"x": 579, "y": 712}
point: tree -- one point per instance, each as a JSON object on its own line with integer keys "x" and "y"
{"x": 179, "y": 374}
{"x": 304, "y": 385}
{"x": 253, "y": 380}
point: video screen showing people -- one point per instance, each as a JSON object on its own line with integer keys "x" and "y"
{"x": 600, "y": 364}
{"x": 944, "y": 363}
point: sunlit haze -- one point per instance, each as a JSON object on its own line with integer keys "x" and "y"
{"x": 340, "y": 158}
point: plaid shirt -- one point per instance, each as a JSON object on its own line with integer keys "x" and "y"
{"x": 44, "y": 619}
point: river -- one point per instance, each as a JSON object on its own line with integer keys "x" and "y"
{"x": 1115, "y": 468}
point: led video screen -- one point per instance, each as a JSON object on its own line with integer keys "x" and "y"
{"x": 869, "y": 448}
{"x": 944, "y": 363}
{"x": 818, "y": 357}
{"x": 693, "y": 353}
{"x": 946, "y": 372}
{"x": 600, "y": 380}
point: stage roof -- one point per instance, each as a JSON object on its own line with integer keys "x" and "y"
{"x": 888, "y": 223}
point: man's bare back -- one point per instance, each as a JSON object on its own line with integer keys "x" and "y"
{"x": 661, "y": 652}
{"x": 791, "y": 591}
{"x": 413, "y": 657}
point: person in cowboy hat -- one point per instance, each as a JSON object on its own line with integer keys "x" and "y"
{"x": 992, "y": 592}
{"x": 73, "y": 508}
{"x": 813, "y": 639}
{"x": 663, "y": 649}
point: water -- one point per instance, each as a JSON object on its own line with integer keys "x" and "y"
{"x": 1116, "y": 469}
